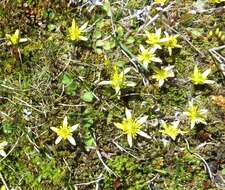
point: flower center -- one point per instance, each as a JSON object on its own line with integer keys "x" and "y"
{"x": 194, "y": 113}
{"x": 198, "y": 78}
{"x": 64, "y": 132}
{"x": 162, "y": 74}
{"x": 131, "y": 127}
{"x": 117, "y": 80}
{"x": 153, "y": 39}
{"x": 75, "y": 33}
{"x": 172, "y": 42}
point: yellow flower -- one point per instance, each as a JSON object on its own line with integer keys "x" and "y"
{"x": 170, "y": 42}
{"x": 15, "y": 38}
{"x": 146, "y": 56}
{"x": 216, "y": 1}
{"x": 162, "y": 2}
{"x": 2, "y": 187}
{"x": 201, "y": 78}
{"x": 118, "y": 80}
{"x": 153, "y": 39}
{"x": 2, "y": 145}
{"x": 65, "y": 132}
{"x": 195, "y": 114}
{"x": 131, "y": 127}
{"x": 171, "y": 130}
{"x": 75, "y": 33}
{"x": 162, "y": 74}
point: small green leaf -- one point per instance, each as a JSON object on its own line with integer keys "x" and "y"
{"x": 87, "y": 96}
{"x": 223, "y": 171}
{"x": 130, "y": 40}
{"x": 8, "y": 128}
{"x": 107, "y": 8}
{"x": 51, "y": 27}
{"x": 99, "y": 43}
{"x": 97, "y": 34}
{"x": 67, "y": 79}
{"x": 98, "y": 50}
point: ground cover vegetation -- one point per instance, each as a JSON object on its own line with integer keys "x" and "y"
{"x": 125, "y": 94}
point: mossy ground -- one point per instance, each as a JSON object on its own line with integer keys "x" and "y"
{"x": 58, "y": 78}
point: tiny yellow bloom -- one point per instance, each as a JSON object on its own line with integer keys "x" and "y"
{"x": 2, "y": 187}
{"x": 118, "y": 80}
{"x": 153, "y": 39}
{"x": 131, "y": 127}
{"x": 75, "y": 33}
{"x": 15, "y": 38}
{"x": 2, "y": 145}
{"x": 146, "y": 56}
{"x": 162, "y": 74}
{"x": 216, "y": 1}
{"x": 200, "y": 78}
{"x": 65, "y": 132}
{"x": 171, "y": 130}
{"x": 162, "y": 2}
{"x": 170, "y": 42}
{"x": 195, "y": 114}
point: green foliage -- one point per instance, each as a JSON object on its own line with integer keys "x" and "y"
{"x": 131, "y": 174}
{"x": 70, "y": 84}
{"x": 57, "y": 78}
{"x": 8, "y": 127}
{"x": 36, "y": 171}
{"x": 87, "y": 96}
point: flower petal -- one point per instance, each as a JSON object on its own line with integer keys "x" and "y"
{"x": 83, "y": 38}
{"x": 164, "y": 40}
{"x": 54, "y": 129}
{"x": 131, "y": 84}
{"x": 74, "y": 127}
{"x": 84, "y": 26}
{"x": 145, "y": 65}
{"x": 161, "y": 82}
{"x": 143, "y": 134}
{"x": 71, "y": 140}
{"x": 156, "y": 59}
{"x": 4, "y": 143}
{"x": 117, "y": 89}
{"x": 58, "y": 140}
{"x": 128, "y": 113}
{"x": 192, "y": 124}
{"x": 141, "y": 48}
{"x": 158, "y": 31}
{"x": 129, "y": 139}
{"x": 175, "y": 124}
{"x": 206, "y": 73}
{"x": 65, "y": 122}
{"x": 170, "y": 51}
{"x": 209, "y": 82}
{"x": 203, "y": 111}
{"x": 125, "y": 71}
{"x": 2, "y": 153}
{"x": 105, "y": 83}
{"x": 119, "y": 125}
{"x": 142, "y": 120}
{"x": 168, "y": 68}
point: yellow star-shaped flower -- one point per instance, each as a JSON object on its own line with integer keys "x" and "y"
{"x": 170, "y": 42}
{"x": 131, "y": 127}
{"x": 65, "y": 132}
{"x": 75, "y": 33}
{"x": 199, "y": 78}
{"x": 118, "y": 80}
{"x": 195, "y": 114}
{"x": 171, "y": 130}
